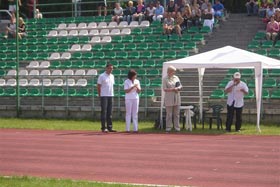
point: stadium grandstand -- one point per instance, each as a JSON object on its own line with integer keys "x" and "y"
{"x": 52, "y": 71}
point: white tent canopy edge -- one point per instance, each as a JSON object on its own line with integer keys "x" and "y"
{"x": 225, "y": 57}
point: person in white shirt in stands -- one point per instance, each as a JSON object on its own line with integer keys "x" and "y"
{"x": 236, "y": 89}
{"x": 132, "y": 89}
{"x": 38, "y": 14}
{"x": 105, "y": 88}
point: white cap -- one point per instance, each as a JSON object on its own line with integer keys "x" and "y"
{"x": 237, "y": 75}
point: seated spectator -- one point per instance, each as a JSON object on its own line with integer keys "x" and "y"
{"x": 187, "y": 15}
{"x": 272, "y": 29}
{"x": 12, "y": 5}
{"x": 196, "y": 14}
{"x": 150, "y": 11}
{"x": 263, "y": 5}
{"x": 168, "y": 24}
{"x": 159, "y": 12}
{"x": 10, "y": 31}
{"x": 117, "y": 13}
{"x": 38, "y": 14}
{"x": 269, "y": 12}
{"x": 171, "y": 8}
{"x": 140, "y": 11}
{"x": 219, "y": 9}
{"x": 277, "y": 15}
{"x": 252, "y": 7}
{"x": 179, "y": 24}
{"x": 181, "y": 7}
{"x": 130, "y": 10}
{"x": 22, "y": 28}
{"x": 204, "y": 5}
{"x": 277, "y": 3}
{"x": 104, "y": 5}
{"x": 208, "y": 16}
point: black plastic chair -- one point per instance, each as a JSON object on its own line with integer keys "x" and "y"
{"x": 214, "y": 115}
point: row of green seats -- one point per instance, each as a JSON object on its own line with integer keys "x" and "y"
{"x": 60, "y": 92}
{"x": 266, "y": 94}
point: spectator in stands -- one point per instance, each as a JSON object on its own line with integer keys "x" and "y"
{"x": 263, "y": 5}
{"x": 22, "y": 28}
{"x": 172, "y": 100}
{"x": 277, "y": 15}
{"x": 104, "y": 5}
{"x": 130, "y": 10}
{"x": 252, "y": 7}
{"x": 269, "y": 12}
{"x": 150, "y": 12}
{"x": 132, "y": 89}
{"x": 38, "y": 14}
{"x": 277, "y": 3}
{"x": 204, "y": 5}
{"x": 171, "y": 8}
{"x": 236, "y": 89}
{"x": 168, "y": 24}
{"x": 179, "y": 24}
{"x": 12, "y": 5}
{"x": 208, "y": 16}
{"x": 219, "y": 9}
{"x": 140, "y": 11}
{"x": 187, "y": 15}
{"x": 272, "y": 29}
{"x": 30, "y": 6}
{"x": 159, "y": 12}
{"x": 181, "y": 8}
{"x": 105, "y": 88}
{"x": 196, "y": 14}
{"x": 10, "y": 31}
{"x": 117, "y": 13}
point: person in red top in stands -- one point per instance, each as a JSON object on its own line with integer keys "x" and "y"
{"x": 272, "y": 29}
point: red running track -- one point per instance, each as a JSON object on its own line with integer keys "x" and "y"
{"x": 165, "y": 159}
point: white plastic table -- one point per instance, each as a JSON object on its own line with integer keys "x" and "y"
{"x": 188, "y": 116}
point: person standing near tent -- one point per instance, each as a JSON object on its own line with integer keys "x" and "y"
{"x": 236, "y": 89}
{"x": 132, "y": 89}
{"x": 105, "y": 88}
{"x": 172, "y": 100}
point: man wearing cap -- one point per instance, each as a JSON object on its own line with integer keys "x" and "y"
{"x": 236, "y": 89}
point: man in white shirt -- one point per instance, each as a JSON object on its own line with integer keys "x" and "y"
{"x": 105, "y": 88}
{"x": 236, "y": 89}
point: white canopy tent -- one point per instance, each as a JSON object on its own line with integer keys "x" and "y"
{"x": 225, "y": 57}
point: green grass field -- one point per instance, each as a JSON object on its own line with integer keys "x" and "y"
{"x": 44, "y": 182}
{"x": 144, "y": 127}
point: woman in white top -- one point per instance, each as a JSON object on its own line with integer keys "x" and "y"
{"x": 132, "y": 89}
{"x": 209, "y": 16}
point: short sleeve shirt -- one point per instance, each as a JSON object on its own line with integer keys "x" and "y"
{"x": 133, "y": 93}
{"x": 236, "y": 95}
{"x": 107, "y": 84}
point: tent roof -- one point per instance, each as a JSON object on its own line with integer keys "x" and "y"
{"x": 225, "y": 57}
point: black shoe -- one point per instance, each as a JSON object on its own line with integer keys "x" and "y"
{"x": 111, "y": 130}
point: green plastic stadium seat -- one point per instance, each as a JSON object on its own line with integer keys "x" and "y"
{"x": 154, "y": 72}
{"x": 82, "y": 92}
{"x": 150, "y": 63}
{"x": 198, "y": 37}
{"x": 274, "y": 53}
{"x": 127, "y": 39}
{"x": 141, "y": 72}
{"x": 147, "y": 93}
{"x": 261, "y": 52}
{"x": 265, "y": 94}
{"x": 108, "y": 47}
{"x": 34, "y": 92}
{"x": 275, "y": 94}
{"x": 205, "y": 29}
{"x": 131, "y": 46}
{"x": 23, "y": 92}
{"x": 71, "y": 92}
{"x": 267, "y": 44}
{"x": 186, "y": 37}
{"x": 97, "y": 47}
{"x": 275, "y": 72}
{"x": 142, "y": 46}
{"x": 117, "y": 39}
{"x": 134, "y": 55}
{"x": 224, "y": 82}
{"x": 193, "y": 29}
{"x": 124, "y": 63}
{"x": 269, "y": 83}
{"x": 247, "y": 72}
{"x": 156, "y": 82}
{"x": 136, "y": 31}
{"x": 147, "y": 31}
{"x": 250, "y": 95}
{"x": 137, "y": 64}
{"x": 217, "y": 94}
{"x": 119, "y": 46}
{"x": 166, "y": 46}
{"x": 182, "y": 54}
{"x": 10, "y": 92}
{"x": 146, "y": 55}
{"x": 170, "y": 54}
{"x": 253, "y": 45}
{"x": 260, "y": 36}
{"x": 139, "y": 38}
